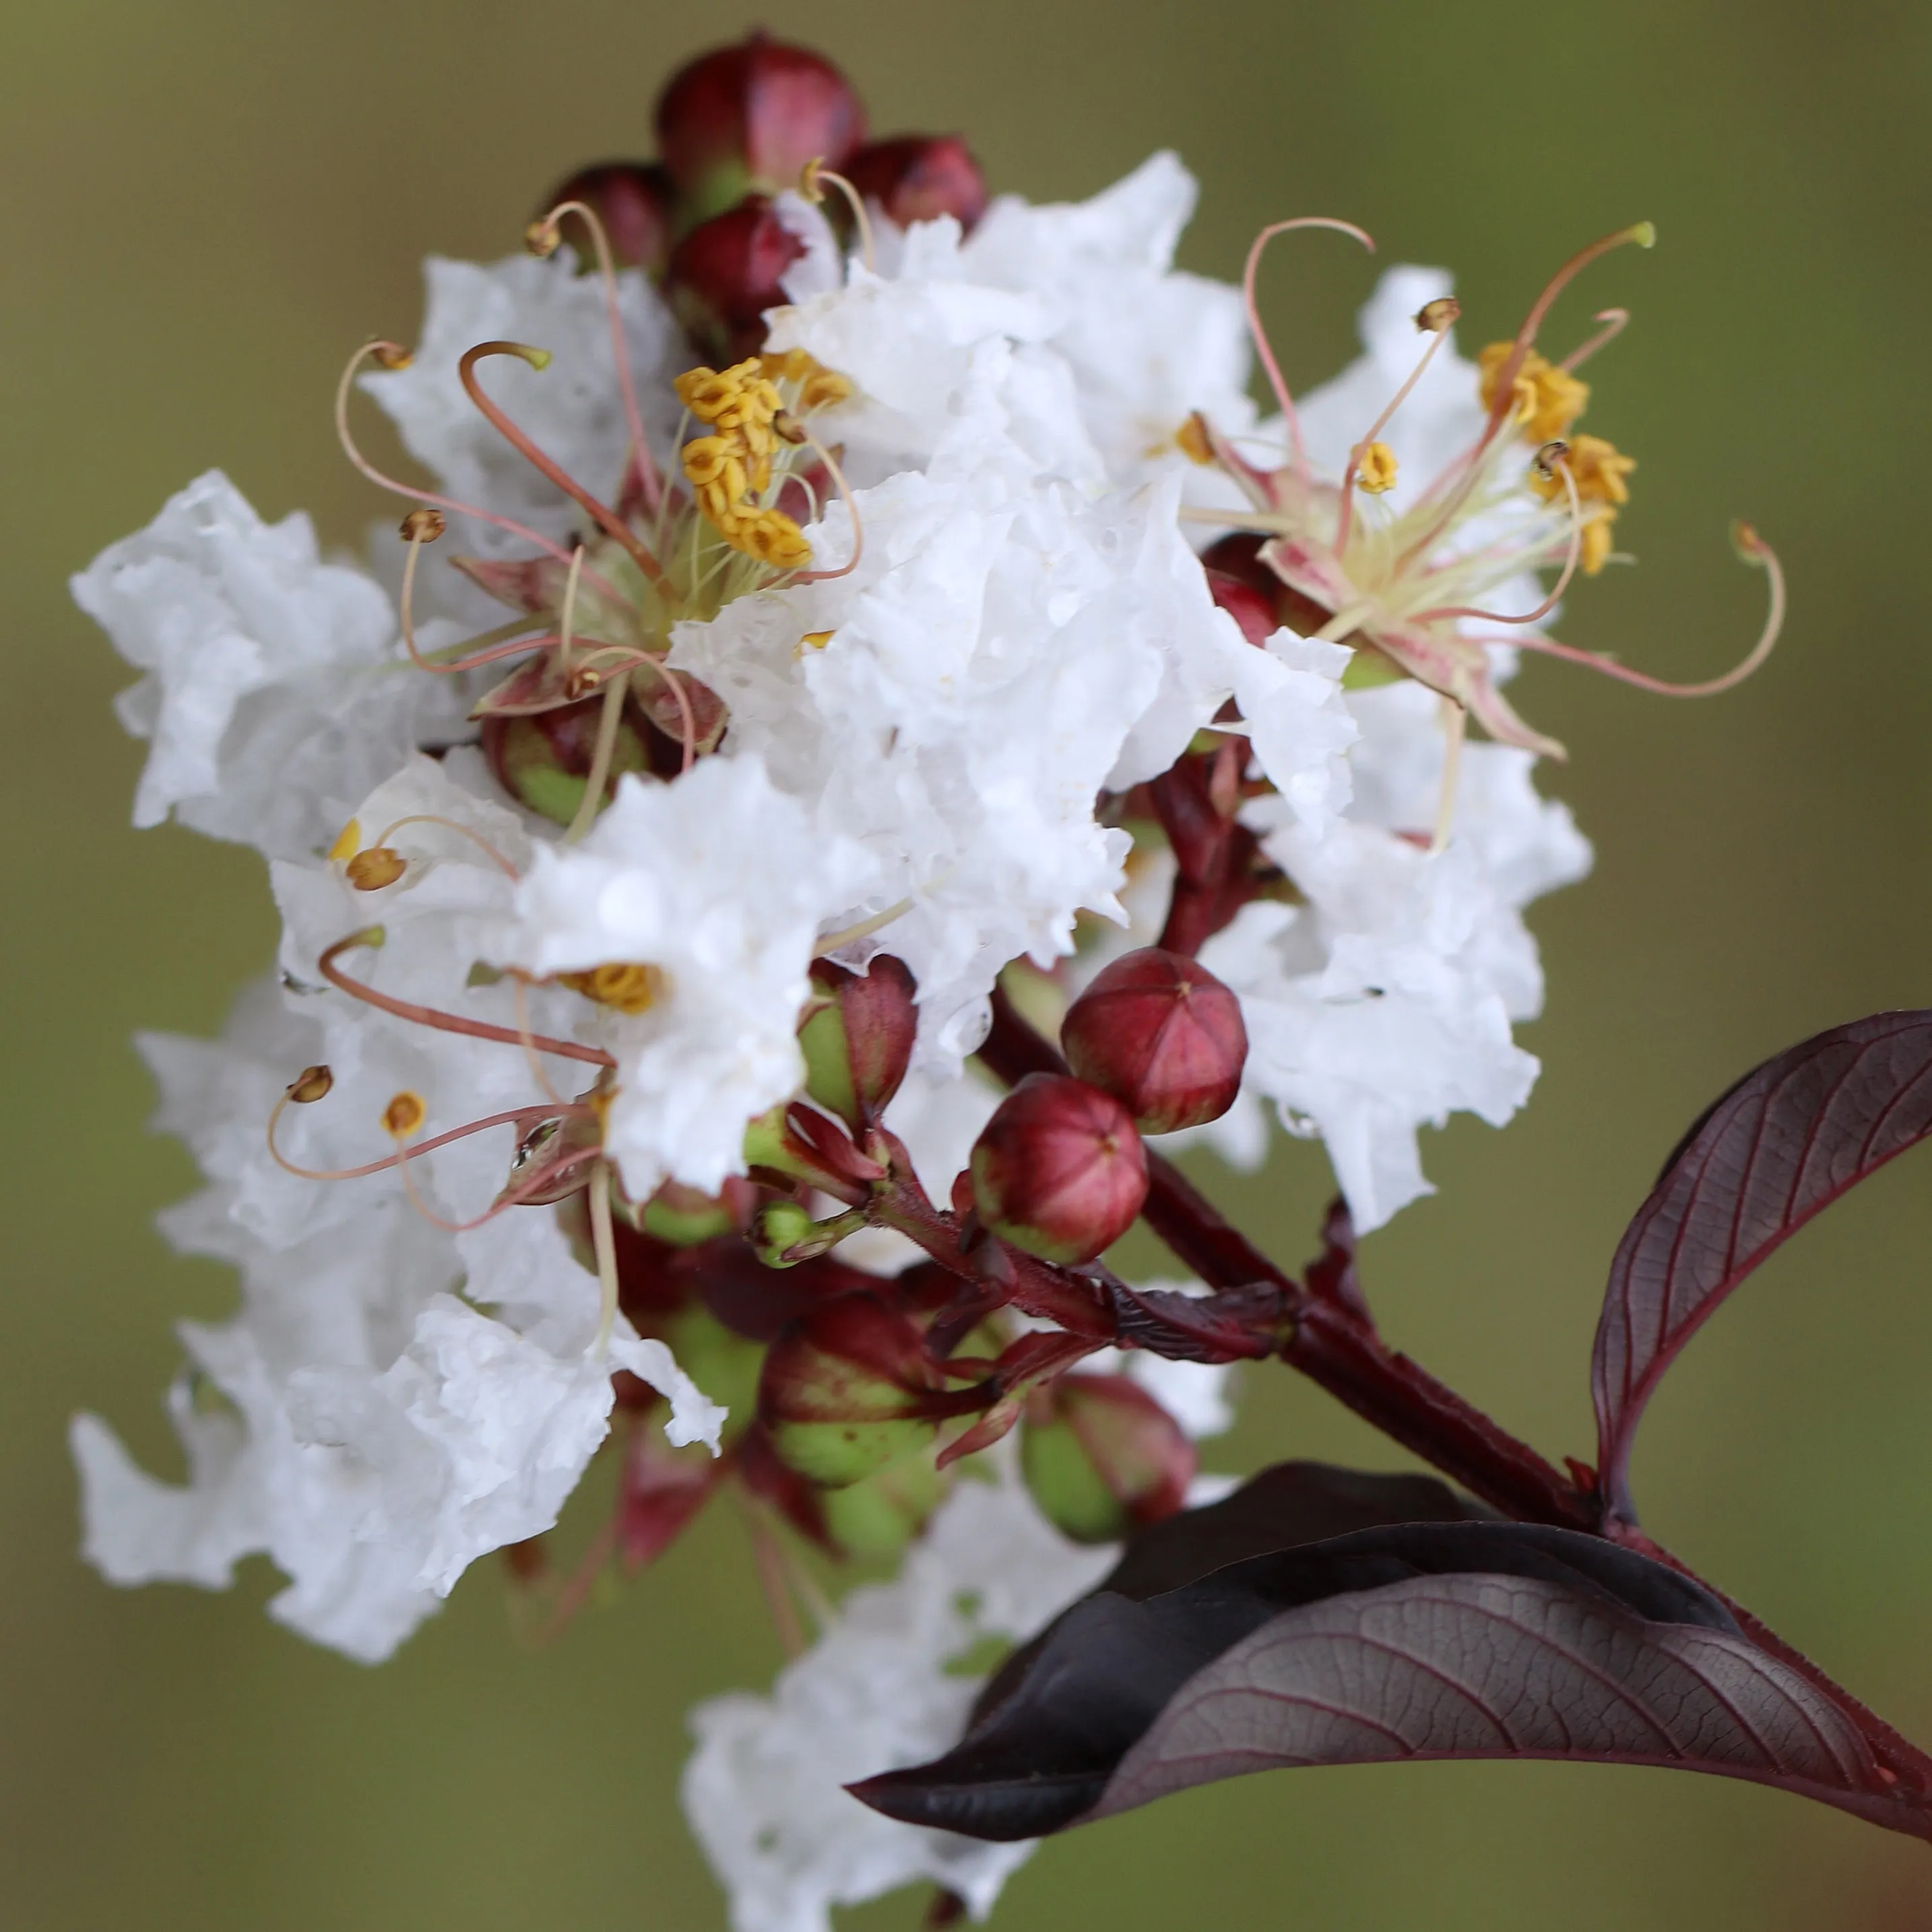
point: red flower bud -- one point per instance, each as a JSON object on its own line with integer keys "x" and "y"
{"x": 1059, "y": 1170}
{"x": 1159, "y": 1032}
{"x": 920, "y": 177}
{"x": 1100, "y": 1456}
{"x": 1239, "y": 556}
{"x": 543, "y": 759}
{"x": 858, "y": 1036}
{"x": 632, "y": 199}
{"x": 1252, "y": 611}
{"x": 847, "y": 1390}
{"x": 750, "y": 118}
{"x": 723, "y": 275}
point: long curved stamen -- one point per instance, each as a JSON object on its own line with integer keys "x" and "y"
{"x": 1615, "y": 321}
{"x": 568, "y": 620}
{"x": 648, "y": 479}
{"x": 541, "y": 1182}
{"x": 687, "y": 719}
{"x": 430, "y": 1016}
{"x": 476, "y": 838}
{"x": 864, "y": 929}
{"x": 808, "y": 187}
{"x": 837, "y": 475}
{"x": 608, "y": 719}
{"x": 517, "y": 1117}
{"x": 613, "y": 524}
{"x": 603, "y": 1241}
{"x": 1455, "y": 724}
{"x": 1643, "y": 233}
{"x": 520, "y": 994}
{"x": 1561, "y": 466}
{"x": 1436, "y": 336}
{"x": 1262, "y": 347}
{"x": 1459, "y": 478}
{"x": 1754, "y": 550}
{"x": 393, "y": 355}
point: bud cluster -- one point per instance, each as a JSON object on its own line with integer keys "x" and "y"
{"x": 736, "y": 127}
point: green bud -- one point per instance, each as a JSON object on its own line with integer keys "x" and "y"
{"x": 1101, "y": 1456}
{"x": 878, "y": 1517}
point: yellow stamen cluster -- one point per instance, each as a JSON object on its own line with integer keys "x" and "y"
{"x": 730, "y": 470}
{"x": 628, "y": 988}
{"x": 1549, "y": 399}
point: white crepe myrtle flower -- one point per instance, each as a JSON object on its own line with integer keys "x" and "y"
{"x": 392, "y": 1402}
{"x": 881, "y": 1688}
{"x": 689, "y": 917}
{"x": 274, "y": 693}
{"x": 1384, "y": 1002}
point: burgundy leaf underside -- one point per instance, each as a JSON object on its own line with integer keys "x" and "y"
{"x": 1230, "y": 1639}
{"x": 1475, "y": 1665}
{"x": 1779, "y": 1147}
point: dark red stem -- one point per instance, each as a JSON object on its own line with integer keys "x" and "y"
{"x": 1333, "y": 1346}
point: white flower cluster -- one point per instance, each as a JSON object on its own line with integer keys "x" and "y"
{"x": 413, "y": 1380}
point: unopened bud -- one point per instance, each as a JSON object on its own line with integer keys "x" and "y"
{"x": 858, "y": 1037}
{"x": 879, "y": 1517}
{"x": 847, "y": 1390}
{"x": 422, "y": 525}
{"x": 543, "y": 760}
{"x": 1059, "y": 1170}
{"x": 724, "y": 274}
{"x": 749, "y": 118}
{"x": 920, "y": 177}
{"x": 1158, "y": 1031}
{"x": 633, "y": 199}
{"x": 1103, "y": 1457}
{"x": 311, "y": 1085}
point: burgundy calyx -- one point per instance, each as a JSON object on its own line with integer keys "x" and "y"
{"x": 748, "y": 118}
{"x": 633, "y": 199}
{"x": 1160, "y": 1033}
{"x": 858, "y": 1037}
{"x": 1059, "y": 1171}
{"x": 920, "y": 177}
{"x": 724, "y": 274}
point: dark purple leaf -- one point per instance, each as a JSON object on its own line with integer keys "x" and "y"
{"x": 1437, "y": 1640}
{"x": 1783, "y": 1143}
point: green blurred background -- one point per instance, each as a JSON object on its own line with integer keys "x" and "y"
{"x": 207, "y": 204}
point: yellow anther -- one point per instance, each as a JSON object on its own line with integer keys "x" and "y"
{"x": 706, "y": 459}
{"x": 1598, "y": 468}
{"x": 540, "y": 238}
{"x": 1194, "y": 443}
{"x": 1595, "y": 551}
{"x": 773, "y": 539}
{"x": 422, "y": 525}
{"x": 404, "y": 1115}
{"x": 387, "y": 355}
{"x": 823, "y": 388}
{"x": 1375, "y": 469}
{"x": 704, "y": 392}
{"x": 380, "y": 865}
{"x": 309, "y": 1085}
{"x": 786, "y": 365}
{"x": 1548, "y": 399}
{"x": 817, "y": 641}
{"x": 348, "y": 842}
{"x": 628, "y": 988}
{"x": 1433, "y": 317}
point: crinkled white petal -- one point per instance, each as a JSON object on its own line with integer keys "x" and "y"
{"x": 570, "y": 410}
{"x": 721, "y": 883}
{"x": 275, "y": 692}
{"x": 763, "y": 1791}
